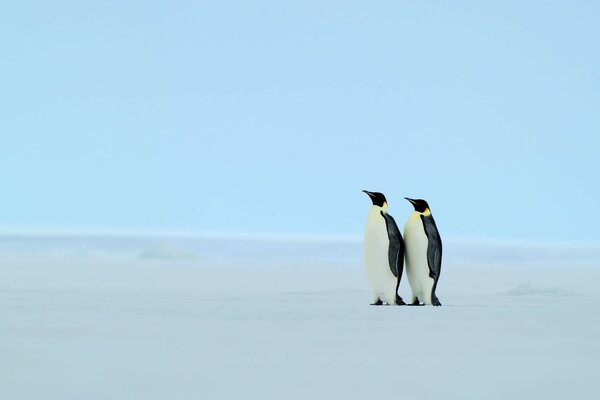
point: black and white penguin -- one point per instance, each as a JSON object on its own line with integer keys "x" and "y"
{"x": 384, "y": 252}
{"x": 423, "y": 254}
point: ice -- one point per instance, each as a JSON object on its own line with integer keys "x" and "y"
{"x": 166, "y": 250}
{"x": 217, "y": 317}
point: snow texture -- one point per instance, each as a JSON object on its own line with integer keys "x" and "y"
{"x": 169, "y": 317}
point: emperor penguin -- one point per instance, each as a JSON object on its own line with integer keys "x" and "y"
{"x": 423, "y": 254}
{"x": 384, "y": 252}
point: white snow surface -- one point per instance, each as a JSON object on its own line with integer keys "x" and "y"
{"x": 199, "y": 317}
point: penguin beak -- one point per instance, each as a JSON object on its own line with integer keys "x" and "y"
{"x": 410, "y": 200}
{"x": 369, "y": 193}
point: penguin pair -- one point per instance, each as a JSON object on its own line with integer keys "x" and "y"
{"x": 386, "y": 250}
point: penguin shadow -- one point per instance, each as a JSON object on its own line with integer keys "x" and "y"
{"x": 414, "y": 303}
{"x": 400, "y": 302}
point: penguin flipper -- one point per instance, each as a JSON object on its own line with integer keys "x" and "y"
{"x": 396, "y": 247}
{"x": 434, "y": 247}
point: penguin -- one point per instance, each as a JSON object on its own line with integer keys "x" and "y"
{"x": 384, "y": 252}
{"x": 423, "y": 254}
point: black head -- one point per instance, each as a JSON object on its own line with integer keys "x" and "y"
{"x": 420, "y": 205}
{"x": 377, "y": 198}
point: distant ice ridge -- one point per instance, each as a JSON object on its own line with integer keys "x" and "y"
{"x": 222, "y": 248}
{"x": 478, "y": 252}
{"x": 529, "y": 289}
{"x": 168, "y": 251}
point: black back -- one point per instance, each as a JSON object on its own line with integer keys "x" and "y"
{"x": 434, "y": 248}
{"x": 396, "y": 247}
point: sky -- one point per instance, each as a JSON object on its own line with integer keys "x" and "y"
{"x": 272, "y": 116}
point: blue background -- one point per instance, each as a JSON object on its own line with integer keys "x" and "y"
{"x": 272, "y": 116}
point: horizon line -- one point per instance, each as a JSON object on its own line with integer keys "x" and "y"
{"x": 284, "y": 236}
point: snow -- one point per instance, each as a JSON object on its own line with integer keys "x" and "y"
{"x": 190, "y": 317}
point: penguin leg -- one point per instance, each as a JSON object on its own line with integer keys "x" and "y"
{"x": 435, "y": 301}
{"x": 399, "y": 301}
{"x": 391, "y": 296}
{"x": 415, "y": 301}
{"x": 377, "y": 301}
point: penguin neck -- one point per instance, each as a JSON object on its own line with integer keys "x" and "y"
{"x": 384, "y": 208}
{"x": 375, "y": 211}
{"x": 417, "y": 214}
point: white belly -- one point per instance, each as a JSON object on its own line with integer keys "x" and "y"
{"x": 417, "y": 269}
{"x": 381, "y": 279}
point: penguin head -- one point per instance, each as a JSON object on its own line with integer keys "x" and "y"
{"x": 420, "y": 205}
{"x": 377, "y": 198}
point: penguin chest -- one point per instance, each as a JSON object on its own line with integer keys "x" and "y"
{"x": 376, "y": 256}
{"x": 417, "y": 269}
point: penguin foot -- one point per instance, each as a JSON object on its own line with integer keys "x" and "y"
{"x": 399, "y": 301}
{"x": 436, "y": 302}
{"x": 416, "y": 303}
{"x": 377, "y": 303}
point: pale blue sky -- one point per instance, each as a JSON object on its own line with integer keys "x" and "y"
{"x": 272, "y": 116}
